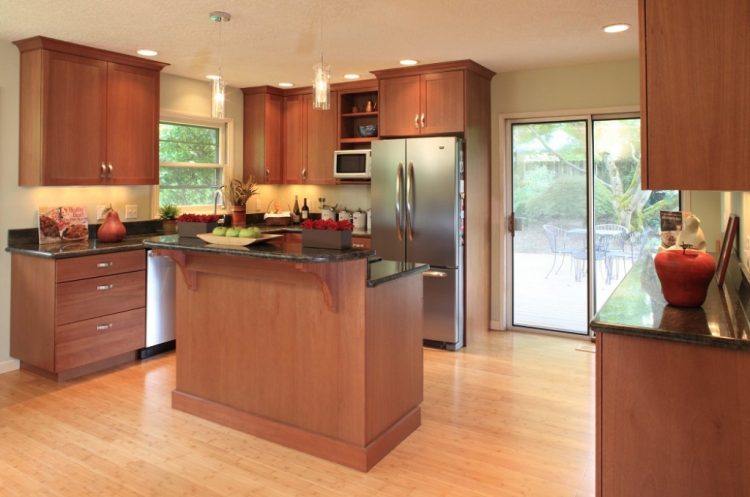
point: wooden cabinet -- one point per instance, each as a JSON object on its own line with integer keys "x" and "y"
{"x": 295, "y": 139}
{"x": 424, "y": 104}
{"x": 263, "y": 135}
{"x": 87, "y": 116}
{"x": 70, "y": 317}
{"x": 322, "y": 141}
{"x": 695, "y": 101}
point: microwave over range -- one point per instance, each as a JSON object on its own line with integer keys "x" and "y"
{"x": 353, "y": 164}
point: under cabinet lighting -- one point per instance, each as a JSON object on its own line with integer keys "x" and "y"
{"x": 147, "y": 52}
{"x": 408, "y": 62}
{"x": 616, "y": 28}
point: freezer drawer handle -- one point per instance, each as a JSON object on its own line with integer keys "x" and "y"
{"x": 104, "y": 288}
{"x": 399, "y": 175}
{"x": 435, "y": 274}
{"x": 104, "y": 327}
{"x": 104, "y": 265}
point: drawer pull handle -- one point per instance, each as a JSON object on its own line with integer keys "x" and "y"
{"x": 103, "y": 265}
{"x": 104, "y": 327}
{"x": 103, "y": 288}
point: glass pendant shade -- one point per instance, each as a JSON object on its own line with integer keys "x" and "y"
{"x": 322, "y": 86}
{"x": 217, "y": 98}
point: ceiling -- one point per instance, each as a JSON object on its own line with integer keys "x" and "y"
{"x": 271, "y": 41}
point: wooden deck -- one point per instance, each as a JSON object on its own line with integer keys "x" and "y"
{"x": 511, "y": 415}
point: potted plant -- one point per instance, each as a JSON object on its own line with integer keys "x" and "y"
{"x": 238, "y": 193}
{"x": 327, "y": 234}
{"x": 168, "y": 215}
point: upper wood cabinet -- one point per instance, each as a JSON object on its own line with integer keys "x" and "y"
{"x": 426, "y": 104}
{"x": 322, "y": 141}
{"x": 87, "y": 116}
{"x": 695, "y": 94}
{"x": 295, "y": 138}
{"x": 263, "y": 135}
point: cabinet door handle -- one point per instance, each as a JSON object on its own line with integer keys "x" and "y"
{"x": 304, "y": 173}
{"x": 104, "y": 265}
{"x": 104, "y": 288}
{"x": 416, "y": 121}
{"x": 110, "y": 168}
{"x": 421, "y": 120}
{"x": 104, "y": 326}
{"x": 268, "y": 175}
{"x": 103, "y": 172}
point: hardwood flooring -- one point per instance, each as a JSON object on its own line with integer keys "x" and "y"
{"x": 511, "y": 415}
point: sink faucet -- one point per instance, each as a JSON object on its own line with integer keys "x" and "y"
{"x": 218, "y": 195}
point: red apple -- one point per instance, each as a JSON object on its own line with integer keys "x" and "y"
{"x": 685, "y": 276}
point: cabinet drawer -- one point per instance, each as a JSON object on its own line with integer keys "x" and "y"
{"x": 84, "y": 342}
{"x": 100, "y": 265}
{"x": 90, "y": 298}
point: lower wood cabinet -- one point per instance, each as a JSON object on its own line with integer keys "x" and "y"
{"x": 71, "y": 317}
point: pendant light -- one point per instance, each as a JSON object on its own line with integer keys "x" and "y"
{"x": 218, "y": 84}
{"x": 321, "y": 79}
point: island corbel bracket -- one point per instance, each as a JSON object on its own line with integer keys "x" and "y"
{"x": 328, "y": 279}
{"x": 180, "y": 258}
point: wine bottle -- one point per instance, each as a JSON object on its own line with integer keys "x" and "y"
{"x": 305, "y": 210}
{"x": 296, "y": 214}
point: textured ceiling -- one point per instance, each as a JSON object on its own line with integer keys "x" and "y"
{"x": 269, "y": 41}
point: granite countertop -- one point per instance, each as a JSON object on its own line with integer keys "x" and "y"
{"x": 382, "y": 271}
{"x": 276, "y": 249}
{"x": 298, "y": 229}
{"x": 637, "y": 307}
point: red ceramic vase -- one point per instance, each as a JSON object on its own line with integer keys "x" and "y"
{"x": 112, "y": 229}
{"x": 685, "y": 276}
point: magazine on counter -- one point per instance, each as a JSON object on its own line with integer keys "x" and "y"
{"x": 59, "y": 224}
{"x": 671, "y": 226}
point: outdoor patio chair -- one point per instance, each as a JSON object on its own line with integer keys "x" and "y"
{"x": 612, "y": 240}
{"x": 556, "y": 237}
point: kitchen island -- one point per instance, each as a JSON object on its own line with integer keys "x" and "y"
{"x": 318, "y": 350}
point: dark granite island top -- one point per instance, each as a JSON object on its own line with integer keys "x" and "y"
{"x": 637, "y": 308}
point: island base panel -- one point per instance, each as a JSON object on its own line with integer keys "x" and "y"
{"x": 353, "y": 456}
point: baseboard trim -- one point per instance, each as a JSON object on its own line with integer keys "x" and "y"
{"x": 341, "y": 452}
{"x": 9, "y": 365}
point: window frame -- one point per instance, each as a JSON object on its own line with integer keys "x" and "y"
{"x": 226, "y": 153}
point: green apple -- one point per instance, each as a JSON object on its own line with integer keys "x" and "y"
{"x": 220, "y": 231}
{"x": 233, "y": 232}
{"x": 256, "y": 233}
{"x": 247, "y": 233}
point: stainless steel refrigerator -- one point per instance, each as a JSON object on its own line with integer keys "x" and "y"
{"x": 417, "y": 215}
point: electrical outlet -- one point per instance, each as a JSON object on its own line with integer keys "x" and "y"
{"x": 257, "y": 204}
{"x": 131, "y": 211}
{"x": 100, "y": 211}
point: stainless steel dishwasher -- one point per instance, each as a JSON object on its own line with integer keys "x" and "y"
{"x": 160, "y": 308}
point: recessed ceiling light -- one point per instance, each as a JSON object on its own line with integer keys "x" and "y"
{"x": 285, "y": 84}
{"x": 351, "y": 75}
{"x": 408, "y": 62}
{"x": 213, "y": 76}
{"x": 147, "y": 52}
{"x": 616, "y": 28}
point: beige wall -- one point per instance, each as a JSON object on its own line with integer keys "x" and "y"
{"x": 551, "y": 91}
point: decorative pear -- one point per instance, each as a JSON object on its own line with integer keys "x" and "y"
{"x": 112, "y": 230}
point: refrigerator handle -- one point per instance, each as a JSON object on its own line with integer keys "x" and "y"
{"x": 399, "y": 217}
{"x": 409, "y": 203}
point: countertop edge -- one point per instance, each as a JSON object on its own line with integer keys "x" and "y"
{"x": 71, "y": 255}
{"x": 659, "y": 334}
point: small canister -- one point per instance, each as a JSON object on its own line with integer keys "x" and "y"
{"x": 327, "y": 213}
{"x": 359, "y": 220}
{"x": 369, "y": 220}
{"x": 345, "y": 216}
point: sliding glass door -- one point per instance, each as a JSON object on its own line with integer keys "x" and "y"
{"x": 580, "y": 218}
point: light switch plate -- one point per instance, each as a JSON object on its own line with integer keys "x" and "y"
{"x": 257, "y": 204}
{"x": 131, "y": 211}
{"x": 100, "y": 211}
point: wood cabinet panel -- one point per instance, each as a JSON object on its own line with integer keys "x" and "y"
{"x": 400, "y": 106}
{"x": 74, "y": 119}
{"x": 132, "y": 125}
{"x": 322, "y": 141}
{"x": 295, "y": 138}
{"x": 89, "y": 298}
{"x": 263, "y": 136}
{"x": 274, "y": 139}
{"x": 672, "y": 418}
{"x": 93, "y": 266}
{"x": 442, "y": 103}
{"x": 695, "y": 74}
{"x": 92, "y": 340}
